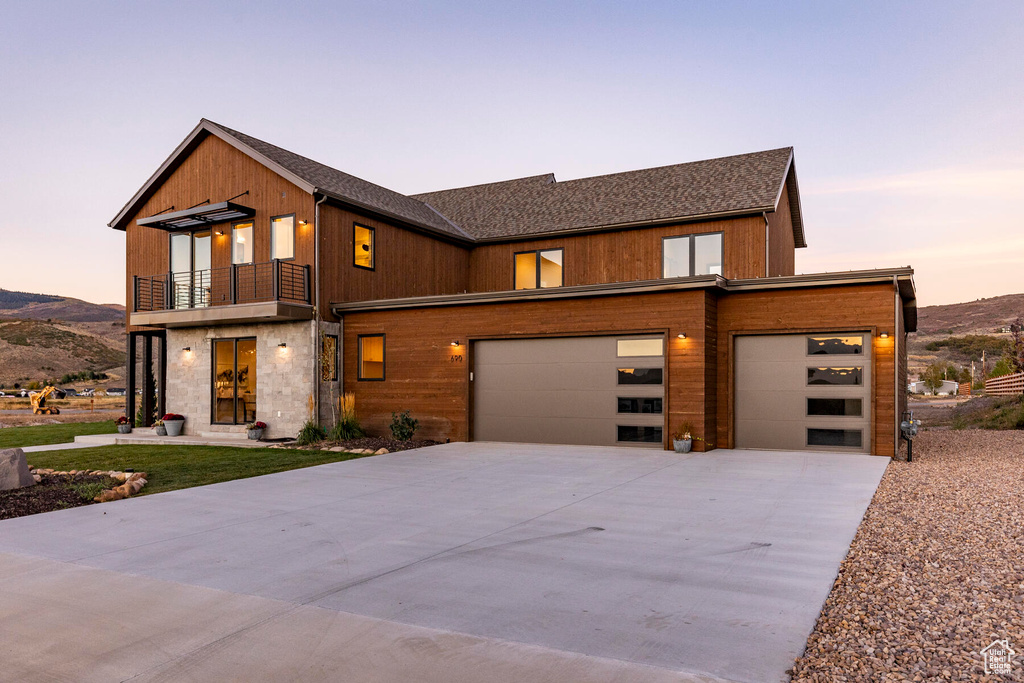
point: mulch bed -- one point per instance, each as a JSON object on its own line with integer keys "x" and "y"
{"x": 374, "y": 443}
{"x": 936, "y": 571}
{"x": 54, "y": 492}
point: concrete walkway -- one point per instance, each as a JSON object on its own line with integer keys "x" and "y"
{"x": 146, "y": 437}
{"x": 465, "y": 562}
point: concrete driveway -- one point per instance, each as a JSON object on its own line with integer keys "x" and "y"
{"x": 464, "y": 562}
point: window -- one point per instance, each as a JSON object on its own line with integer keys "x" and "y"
{"x": 835, "y": 376}
{"x": 630, "y": 433}
{"x": 838, "y": 345}
{"x": 329, "y": 358}
{"x": 845, "y": 438}
{"x": 842, "y": 407}
{"x": 640, "y": 405}
{"x": 538, "y": 269}
{"x": 364, "y": 244}
{"x": 241, "y": 243}
{"x": 234, "y": 381}
{"x": 638, "y": 347}
{"x": 282, "y": 237}
{"x": 687, "y": 255}
{"x": 371, "y": 357}
{"x": 640, "y": 375}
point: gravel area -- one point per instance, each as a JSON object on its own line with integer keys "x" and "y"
{"x": 936, "y": 571}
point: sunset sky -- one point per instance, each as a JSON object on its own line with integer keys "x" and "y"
{"x": 907, "y": 118}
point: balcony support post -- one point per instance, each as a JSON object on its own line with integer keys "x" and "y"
{"x": 129, "y": 392}
{"x": 277, "y": 279}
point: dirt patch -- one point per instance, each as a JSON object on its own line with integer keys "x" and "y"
{"x": 374, "y": 443}
{"x": 53, "y": 492}
{"x": 934, "y": 574}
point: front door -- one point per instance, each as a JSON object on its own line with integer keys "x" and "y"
{"x": 234, "y": 381}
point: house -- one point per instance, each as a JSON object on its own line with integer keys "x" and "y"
{"x": 605, "y": 310}
{"x": 947, "y": 388}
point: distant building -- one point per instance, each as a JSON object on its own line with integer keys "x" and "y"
{"x": 948, "y": 388}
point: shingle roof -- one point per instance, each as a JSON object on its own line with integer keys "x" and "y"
{"x": 539, "y": 204}
{"x": 348, "y": 187}
{"x": 536, "y": 205}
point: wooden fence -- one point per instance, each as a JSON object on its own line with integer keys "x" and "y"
{"x": 1007, "y": 385}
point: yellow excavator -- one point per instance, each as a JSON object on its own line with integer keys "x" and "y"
{"x": 38, "y": 400}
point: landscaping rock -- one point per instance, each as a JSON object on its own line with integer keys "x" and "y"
{"x": 14, "y": 472}
{"x": 381, "y": 451}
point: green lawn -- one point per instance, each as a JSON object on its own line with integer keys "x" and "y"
{"x": 16, "y": 437}
{"x": 179, "y": 467}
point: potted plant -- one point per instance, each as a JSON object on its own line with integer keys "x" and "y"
{"x": 682, "y": 439}
{"x": 255, "y": 430}
{"x": 159, "y": 428}
{"x": 173, "y": 423}
{"x": 124, "y": 425}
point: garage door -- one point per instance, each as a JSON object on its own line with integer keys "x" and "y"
{"x": 602, "y": 391}
{"x": 804, "y": 392}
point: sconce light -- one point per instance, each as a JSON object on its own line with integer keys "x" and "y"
{"x": 187, "y": 349}
{"x": 455, "y": 344}
{"x": 681, "y": 335}
{"x": 219, "y": 233}
{"x": 884, "y": 335}
{"x": 282, "y": 345}
{"x": 303, "y": 223}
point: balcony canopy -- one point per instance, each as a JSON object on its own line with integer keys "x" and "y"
{"x": 198, "y": 216}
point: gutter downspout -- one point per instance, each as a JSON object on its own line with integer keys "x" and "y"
{"x": 766, "y": 237}
{"x": 896, "y": 361}
{"x": 316, "y": 308}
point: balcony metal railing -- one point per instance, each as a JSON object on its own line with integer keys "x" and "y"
{"x": 238, "y": 284}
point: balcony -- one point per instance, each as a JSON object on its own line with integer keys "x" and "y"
{"x": 243, "y": 293}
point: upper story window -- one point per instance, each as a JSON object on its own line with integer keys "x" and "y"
{"x": 241, "y": 243}
{"x": 282, "y": 237}
{"x": 364, "y": 246}
{"x": 688, "y": 255}
{"x": 538, "y": 269}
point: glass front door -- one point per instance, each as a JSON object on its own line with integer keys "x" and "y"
{"x": 190, "y": 269}
{"x": 234, "y": 381}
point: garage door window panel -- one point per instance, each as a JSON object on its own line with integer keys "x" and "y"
{"x": 835, "y": 407}
{"x": 371, "y": 358}
{"x": 844, "y": 377}
{"x": 638, "y": 434}
{"x": 639, "y": 405}
{"x": 841, "y": 345}
{"x": 836, "y": 438}
{"x": 639, "y": 348}
{"x": 627, "y": 376}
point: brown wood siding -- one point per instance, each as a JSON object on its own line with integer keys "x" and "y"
{"x": 781, "y": 244}
{"x": 710, "y": 430}
{"x": 859, "y": 307}
{"x": 406, "y": 263}
{"x": 216, "y": 171}
{"x": 622, "y": 255}
{"x": 423, "y": 378}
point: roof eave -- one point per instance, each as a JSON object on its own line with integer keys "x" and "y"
{"x": 373, "y": 211}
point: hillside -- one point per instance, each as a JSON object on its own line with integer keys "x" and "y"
{"x": 24, "y": 305}
{"x": 44, "y": 336}
{"x": 981, "y": 317}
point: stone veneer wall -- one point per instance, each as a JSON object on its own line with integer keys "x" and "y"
{"x": 284, "y": 377}
{"x": 329, "y": 391}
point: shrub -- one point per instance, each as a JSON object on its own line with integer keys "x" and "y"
{"x": 310, "y": 433}
{"x": 347, "y": 427}
{"x": 403, "y": 426}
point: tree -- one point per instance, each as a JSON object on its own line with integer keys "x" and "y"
{"x": 1001, "y": 368}
{"x": 1017, "y": 346}
{"x": 933, "y": 376}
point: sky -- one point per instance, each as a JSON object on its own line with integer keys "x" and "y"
{"x": 907, "y": 118}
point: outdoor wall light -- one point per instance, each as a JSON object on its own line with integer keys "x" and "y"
{"x": 303, "y": 222}
{"x": 884, "y": 335}
{"x": 681, "y": 335}
{"x": 455, "y": 344}
{"x": 282, "y": 345}
{"x": 187, "y": 349}
{"x": 219, "y": 233}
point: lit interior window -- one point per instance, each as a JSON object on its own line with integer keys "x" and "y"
{"x": 364, "y": 246}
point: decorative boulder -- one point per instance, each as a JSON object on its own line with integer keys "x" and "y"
{"x": 14, "y": 472}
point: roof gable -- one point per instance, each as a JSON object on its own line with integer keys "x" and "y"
{"x": 533, "y": 206}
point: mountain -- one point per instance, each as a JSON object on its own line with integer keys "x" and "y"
{"x": 44, "y": 336}
{"x": 981, "y": 317}
{"x": 24, "y": 305}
